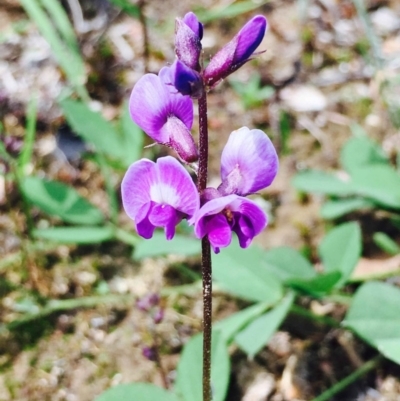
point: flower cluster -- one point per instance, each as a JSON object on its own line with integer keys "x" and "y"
{"x": 162, "y": 193}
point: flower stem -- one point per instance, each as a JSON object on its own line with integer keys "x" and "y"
{"x": 205, "y": 253}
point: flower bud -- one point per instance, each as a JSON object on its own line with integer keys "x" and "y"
{"x": 186, "y": 81}
{"x": 188, "y": 34}
{"x": 237, "y": 52}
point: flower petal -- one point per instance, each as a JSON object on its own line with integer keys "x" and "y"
{"x": 176, "y": 188}
{"x": 164, "y": 216}
{"x": 250, "y": 220}
{"x": 249, "y": 162}
{"x": 210, "y": 208}
{"x": 219, "y": 232}
{"x": 135, "y": 187}
{"x": 152, "y": 102}
{"x": 250, "y": 37}
{"x": 191, "y": 20}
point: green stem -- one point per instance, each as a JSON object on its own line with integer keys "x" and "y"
{"x": 298, "y": 310}
{"x": 342, "y": 384}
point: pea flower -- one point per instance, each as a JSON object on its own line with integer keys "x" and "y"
{"x": 237, "y": 52}
{"x": 164, "y": 114}
{"x": 188, "y": 34}
{"x": 158, "y": 194}
{"x": 249, "y": 163}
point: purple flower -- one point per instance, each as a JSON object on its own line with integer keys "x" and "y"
{"x": 249, "y": 162}
{"x": 158, "y": 194}
{"x": 165, "y": 115}
{"x": 220, "y": 216}
{"x": 188, "y": 34}
{"x": 237, "y": 52}
{"x": 188, "y": 82}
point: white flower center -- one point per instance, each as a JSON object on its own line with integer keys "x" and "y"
{"x": 164, "y": 194}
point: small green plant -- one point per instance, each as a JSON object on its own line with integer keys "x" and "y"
{"x": 252, "y": 94}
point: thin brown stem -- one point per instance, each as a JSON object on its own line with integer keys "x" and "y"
{"x": 205, "y": 253}
{"x": 143, "y": 22}
{"x": 203, "y": 144}
{"x": 157, "y": 360}
{"x": 207, "y": 318}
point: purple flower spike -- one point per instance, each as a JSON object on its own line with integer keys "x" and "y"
{"x": 220, "y": 216}
{"x": 165, "y": 115}
{"x": 249, "y": 162}
{"x": 188, "y": 34}
{"x": 237, "y": 52}
{"x": 158, "y": 194}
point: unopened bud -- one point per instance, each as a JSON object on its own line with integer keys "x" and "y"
{"x": 188, "y": 34}
{"x": 237, "y": 52}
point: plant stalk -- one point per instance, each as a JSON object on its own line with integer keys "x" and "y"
{"x": 205, "y": 252}
{"x": 342, "y": 384}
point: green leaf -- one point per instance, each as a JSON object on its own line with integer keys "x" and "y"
{"x": 127, "y": 7}
{"x": 386, "y": 243}
{"x": 67, "y": 57}
{"x": 339, "y": 207}
{"x": 233, "y": 10}
{"x": 322, "y": 182}
{"x": 375, "y": 316}
{"x": 75, "y": 235}
{"x": 133, "y": 139}
{"x": 229, "y": 326}
{"x": 380, "y": 183}
{"x": 243, "y": 273}
{"x": 60, "y": 200}
{"x": 94, "y": 128}
{"x": 317, "y": 286}
{"x": 340, "y": 250}
{"x": 286, "y": 264}
{"x": 361, "y": 151}
{"x": 190, "y": 371}
{"x": 160, "y": 246}
{"x": 136, "y": 391}
{"x": 257, "y": 334}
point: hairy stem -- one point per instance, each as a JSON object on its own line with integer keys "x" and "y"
{"x": 205, "y": 253}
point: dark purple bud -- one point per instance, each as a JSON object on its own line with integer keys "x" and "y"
{"x": 158, "y": 315}
{"x": 149, "y": 353}
{"x": 188, "y": 33}
{"x": 186, "y": 81}
{"x": 193, "y": 23}
{"x": 237, "y": 52}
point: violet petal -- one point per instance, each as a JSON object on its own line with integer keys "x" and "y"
{"x": 176, "y": 188}
{"x": 152, "y": 102}
{"x": 164, "y": 216}
{"x": 250, "y": 37}
{"x": 249, "y": 162}
{"x": 219, "y": 232}
{"x": 191, "y": 20}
